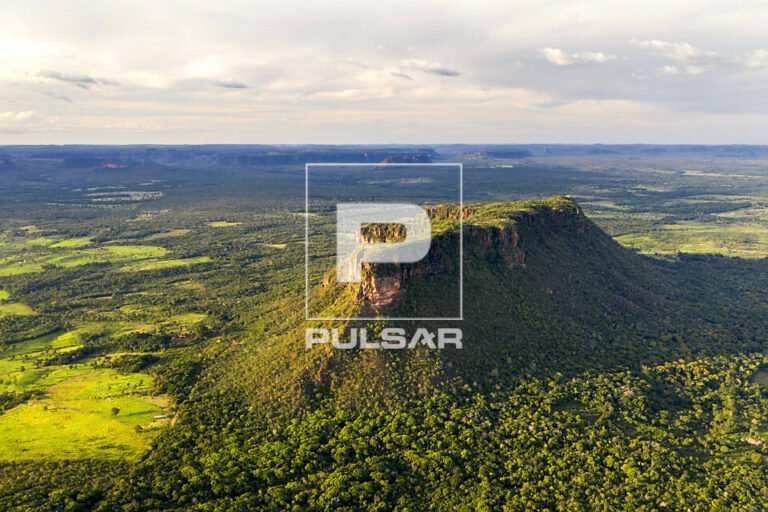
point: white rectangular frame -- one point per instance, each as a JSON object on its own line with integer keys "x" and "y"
{"x": 461, "y": 240}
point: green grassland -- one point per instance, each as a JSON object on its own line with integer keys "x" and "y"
{"x": 72, "y": 243}
{"x": 164, "y": 264}
{"x": 15, "y": 308}
{"x": 77, "y": 411}
{"x": 19, "y": 256}
{"x": 173, "y": 233}
{"x": 187, "y": 319}
{"x": 142, "y": 318}
{"x": 20, "y": 369}
{"x": 743, "y": 239}
{"x": 729, "y": 225}
{"x": 4, "y": 295}
{"x": 190, "y": 285}
{"x": 755, "y": 213}
{"x": 497, "y": 215}
{"x": 75, "y": 256}
{"x": 75, "y": 419}
{"x": 41, "y": 241}
{"x": 223, "y": 224}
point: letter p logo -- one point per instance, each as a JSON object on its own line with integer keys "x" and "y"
{"x": 352, "y": 250}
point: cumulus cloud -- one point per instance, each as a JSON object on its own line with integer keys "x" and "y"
{"x": 19, "y": 116}
{"x": 81, "y": 81}
{"x": 669, "y": 70}
{"x": 19, "y": 122}
{"x": 558, "y": 57}
{"x": 694, "y": 61}
{"x": 757, "y": 58}
{"x": 425, "y": 66}
{"x": 681, "y": 52}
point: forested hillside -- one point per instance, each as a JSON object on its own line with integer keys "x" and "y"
{"x": 593, "y": 378}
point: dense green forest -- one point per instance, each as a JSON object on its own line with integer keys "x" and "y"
{"x": 152, "y": 342}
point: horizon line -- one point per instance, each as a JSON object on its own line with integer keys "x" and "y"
{"x": 371, "y": 144}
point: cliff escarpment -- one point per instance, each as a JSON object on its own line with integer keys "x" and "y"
{"x": 491, "y": 232}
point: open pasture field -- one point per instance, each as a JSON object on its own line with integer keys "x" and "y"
{"x": 18, "y": 258}
{"x": 75, "y": 410}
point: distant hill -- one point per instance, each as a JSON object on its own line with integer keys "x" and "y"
{"x": 251, "y": 155}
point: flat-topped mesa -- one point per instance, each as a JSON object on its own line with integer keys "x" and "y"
{"x": 489, "y": 230}
{"x": 449, "y": 212}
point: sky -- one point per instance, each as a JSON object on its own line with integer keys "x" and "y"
{"x": 357, "y": 72}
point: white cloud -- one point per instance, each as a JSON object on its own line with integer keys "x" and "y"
{"x": 694, "y": 70}
{"x": 694, "y": 61}
{"x": 19, "y": 117}
{"x": 19, "y": 122}
{"x": 681, "y": 52}
{"x": 669, "y": 70}
{"x": 757, "y": 58}
{"x": 558, "y": 57}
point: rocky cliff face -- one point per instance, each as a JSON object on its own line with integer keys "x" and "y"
{"x": 376, "y": 291}
{"x": 491, "y": 232}
{"x": 382, "y": 284}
